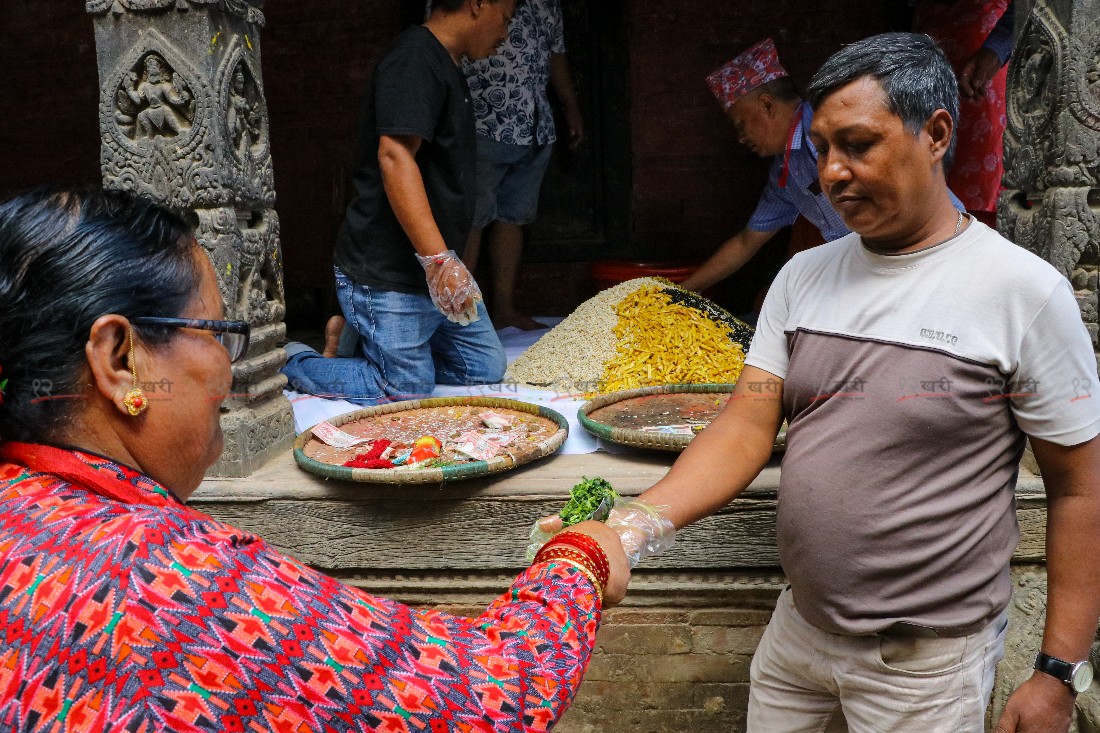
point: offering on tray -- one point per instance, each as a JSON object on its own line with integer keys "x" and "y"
{"x": 427, "y": 437}
{"x": 592, "y": 498}
{"x": 669, "y": 340}
{"x": 642, "y": 332}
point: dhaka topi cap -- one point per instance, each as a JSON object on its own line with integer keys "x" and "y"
{"x": 754, "y": 67}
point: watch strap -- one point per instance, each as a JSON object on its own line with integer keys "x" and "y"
{"x": 1055, "y": 667}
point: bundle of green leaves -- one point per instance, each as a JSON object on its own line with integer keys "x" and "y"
{"x": 592, "y": 498}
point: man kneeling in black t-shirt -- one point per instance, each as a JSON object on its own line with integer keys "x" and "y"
{"x": 399, "y": 277}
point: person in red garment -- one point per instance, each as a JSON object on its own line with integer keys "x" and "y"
{"x": 121, "y": 609}
{"x": 976, "y": 36}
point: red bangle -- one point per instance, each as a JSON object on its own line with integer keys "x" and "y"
{"x": 590, "y": 547}
{"x": 568, "y": 552}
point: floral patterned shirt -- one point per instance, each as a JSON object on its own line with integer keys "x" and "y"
{"x": 509, "y": 89}
{"x": 121, "y": 609}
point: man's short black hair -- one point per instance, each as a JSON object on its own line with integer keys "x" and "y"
{"x": 913, "y": 71}
{"x": 783, "y": 89}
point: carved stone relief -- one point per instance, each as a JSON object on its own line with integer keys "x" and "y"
{"x": 154, "y": 101}
{"x": 183, "y": 120}
{"x": 242, "y": 125}
{"x": 243, "y": 107}
{"x": 1034, "y": 81}
{"x": 217, "y": 231}
{"x": 243, "y": 8}
{"x": 1026, "y": 616}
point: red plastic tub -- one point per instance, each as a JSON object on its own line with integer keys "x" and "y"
{"x": 609, "y": 273}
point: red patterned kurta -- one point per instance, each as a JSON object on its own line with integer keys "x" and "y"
{"x": 121, "y": 609}
{"x": 960, "y": 28}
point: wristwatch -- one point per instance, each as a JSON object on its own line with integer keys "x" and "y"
{"x": 1077, "y": 675}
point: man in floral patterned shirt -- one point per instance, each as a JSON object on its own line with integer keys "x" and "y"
{"x": 515, "y": 134}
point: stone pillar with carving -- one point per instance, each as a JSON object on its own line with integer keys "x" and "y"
{"x": 1051, "y": 204}
{"x": 183, "y": 119}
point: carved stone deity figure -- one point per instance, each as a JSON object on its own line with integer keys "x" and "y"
{"x": 243, "y": 115}
{"x": 160, "y": 100}
{"x": 183, "y": 120}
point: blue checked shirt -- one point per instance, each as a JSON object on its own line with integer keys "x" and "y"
{"x": 779, "y": 207}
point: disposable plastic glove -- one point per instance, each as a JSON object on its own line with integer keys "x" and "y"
{"x": 451, "y": 286}
{"x": 643, "y": 531}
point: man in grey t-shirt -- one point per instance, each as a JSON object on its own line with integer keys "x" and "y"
{"x": 910, "y": 358}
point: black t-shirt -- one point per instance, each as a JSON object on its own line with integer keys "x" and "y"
{"x": 416, "y": 89}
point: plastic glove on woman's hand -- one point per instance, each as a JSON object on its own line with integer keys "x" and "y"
{"x": 451, "y": 286}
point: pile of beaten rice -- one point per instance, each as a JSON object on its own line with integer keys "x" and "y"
{"x": 639, "y": 333}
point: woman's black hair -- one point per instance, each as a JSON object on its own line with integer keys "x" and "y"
{"x": 67, "y": 257}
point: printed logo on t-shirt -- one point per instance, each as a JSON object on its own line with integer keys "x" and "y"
{"x": 930, "y": 386}
{"x": 941, "y": 336}
{"x": 1082, "y": 389}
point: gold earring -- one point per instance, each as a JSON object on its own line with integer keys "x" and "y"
{"x": 134, "y": 400}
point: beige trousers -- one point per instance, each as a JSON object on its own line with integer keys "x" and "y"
{"x": 804, "y": 680}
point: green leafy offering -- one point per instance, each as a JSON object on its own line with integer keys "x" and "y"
{"x": 592, "y": 498}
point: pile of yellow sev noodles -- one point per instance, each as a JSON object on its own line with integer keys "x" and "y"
{"x": 661, "y": 342}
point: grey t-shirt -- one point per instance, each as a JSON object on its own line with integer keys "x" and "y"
{"x": 910, "y": 382}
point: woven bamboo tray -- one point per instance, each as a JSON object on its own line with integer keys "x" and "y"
{"x": 652, "y": 440}
{"x": 438, "y": 474}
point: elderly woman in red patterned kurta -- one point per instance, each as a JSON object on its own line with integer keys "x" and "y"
{"x": 121, "y": 609}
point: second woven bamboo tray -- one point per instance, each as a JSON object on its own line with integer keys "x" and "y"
{"x": 647, "y": 439}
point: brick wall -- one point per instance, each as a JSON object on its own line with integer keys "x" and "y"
{"x": 665, "y": 670}
{"x": 668, "y": 671}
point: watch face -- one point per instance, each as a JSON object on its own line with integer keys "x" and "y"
{"x": 1082, "y": 677}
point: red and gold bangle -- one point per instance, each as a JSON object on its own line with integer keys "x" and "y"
{"x": 586, "y": 543}
{"x": 597, "y": 558}
{"x": 586, "y": 572}
{"x": 565, "y": 552}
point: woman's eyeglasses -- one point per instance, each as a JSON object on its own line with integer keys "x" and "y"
{"x": 233, "y": 335}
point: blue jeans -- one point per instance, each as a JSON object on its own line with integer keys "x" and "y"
{"x": 406, "y": 347}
